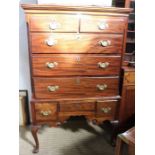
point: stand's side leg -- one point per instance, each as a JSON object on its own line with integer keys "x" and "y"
{"x": 118, "y": 148}
{"x": 115, "y": 125}
{"x": 34, "y": 130}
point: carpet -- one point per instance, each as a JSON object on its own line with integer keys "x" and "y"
{"x": 76, "y": 137}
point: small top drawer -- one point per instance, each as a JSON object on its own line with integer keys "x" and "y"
{"x": 54, "y": 22}
{"x": 106, "y": 24}
{"x": 45, "y": 111}
{"x": 106, "y": 108}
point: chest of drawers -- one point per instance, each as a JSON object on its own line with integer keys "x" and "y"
{"x": 75, "y": 60}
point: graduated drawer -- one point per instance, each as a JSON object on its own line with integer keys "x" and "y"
{"x": 75, "y": 64}
{"x": 74, "y": 106}
{"x": 72, "y": 43}
{"x": 54, "y": 23}
{"x": 45, "y": 111}
{"x": 106, "y": 108}
{"x": 106, "y": 24}
{"x": 52, "y": 88}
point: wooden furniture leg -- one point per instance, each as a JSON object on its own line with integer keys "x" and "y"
{"x": 118, "y": 146}
{"x": 114, "y": 132}
{"x": 34, "y": 130}
{"x": 126, "y": 138}
{"x": 131, "y": 149}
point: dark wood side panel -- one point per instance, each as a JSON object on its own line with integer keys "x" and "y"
{"x": 127, "y": 106}
{"x": 75, "y": 64}
{"x": 75, "y": 87}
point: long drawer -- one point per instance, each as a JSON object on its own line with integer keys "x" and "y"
{"x": 52, "y": 88}
{"x": 74, "y": 43}
{"x": 74, "y": 64}
{"x": 54, "y": 23}
{"x": 102, "y": 24}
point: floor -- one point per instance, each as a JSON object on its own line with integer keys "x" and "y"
{"x": 76, "y": 137}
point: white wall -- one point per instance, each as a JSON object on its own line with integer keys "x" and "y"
{"x": 24, "y": 71}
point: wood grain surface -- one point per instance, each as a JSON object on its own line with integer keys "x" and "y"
{"x": 39, "y": 107}
{"x": 90, "y": 24}
{"x": 41, "y": 22}
{"x": 75, "y": 87}
{"x": 28, "y": 8}
{"x": 74, "y": 64}
{"x": 74, "y": 43}
{"x": 112, "y": 104}
{"x": 72, "y": 106}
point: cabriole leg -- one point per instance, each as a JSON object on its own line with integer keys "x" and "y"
{"x": 34, "y": 130}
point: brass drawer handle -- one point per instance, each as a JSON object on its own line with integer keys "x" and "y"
{"x": 103, "y": 25}
{"x": 54, "y": 25}
{"x": 51, "y": 42}
{"x": 51, "y": 65}
{"x": 101, "y": 87}
{"x": 53, "y": 88}
{"x": 103, "y": 64}
{"x": 46, "y": 113}
{"x": 105, "y": 43}
{"x": 106, "y": 110}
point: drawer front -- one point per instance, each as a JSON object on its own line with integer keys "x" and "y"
{"x": 54, "y": 23}
{"x": 102, "y": 24}
{"x": 106, "y": 108}
{"x": 45, "y": 111}
{"x": 129, "y": 78}
{"x": 72, "y": 43}
{"x": 75, "y": 64}
{"x": 74, "y": 106}
{"x": 53, "y": 88}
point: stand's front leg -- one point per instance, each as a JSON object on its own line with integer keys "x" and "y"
{"x": 34, "y": 130}
{"x": 115, "y": 125}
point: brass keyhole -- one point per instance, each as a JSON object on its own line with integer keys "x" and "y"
{"x": 77, "y": 81}
{"x": 77, "y": 58}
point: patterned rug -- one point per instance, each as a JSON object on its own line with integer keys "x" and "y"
{"x": 76, "y": 137}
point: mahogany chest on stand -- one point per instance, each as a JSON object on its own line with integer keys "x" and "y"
{"x": 75, "y": 59}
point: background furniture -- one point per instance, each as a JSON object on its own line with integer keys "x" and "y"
{"x": 75, "y": 58}
{"x": 129, "y": 56}
{"x": 128, "y": 138}
{"x": 127, "y": 104}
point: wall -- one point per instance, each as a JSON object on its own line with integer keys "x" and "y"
{"x": 24, "y": 71}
